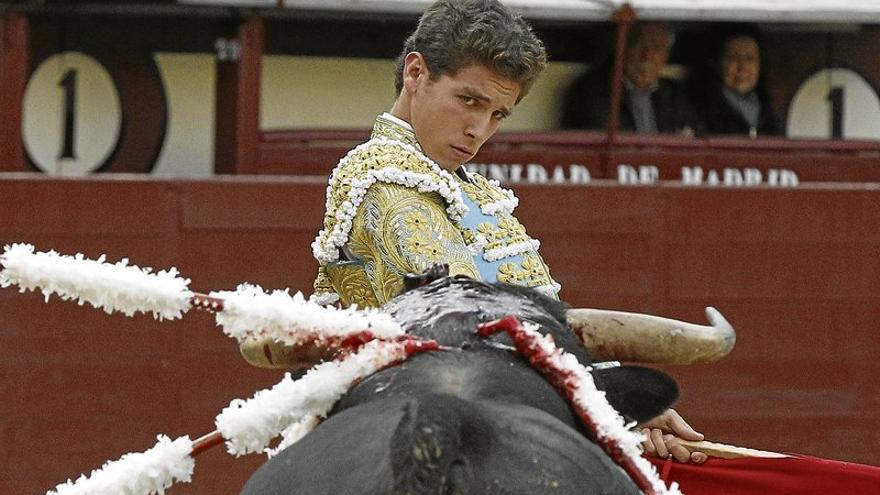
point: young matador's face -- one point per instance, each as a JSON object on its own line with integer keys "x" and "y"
{"x": 454, "y": 114}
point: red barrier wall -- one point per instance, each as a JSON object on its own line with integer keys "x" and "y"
{"x": 796, "y": 271}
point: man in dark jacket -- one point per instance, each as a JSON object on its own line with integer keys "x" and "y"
{"x": 649, "y": 103}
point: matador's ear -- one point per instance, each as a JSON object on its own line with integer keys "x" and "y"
{"x": 434, "y": 272}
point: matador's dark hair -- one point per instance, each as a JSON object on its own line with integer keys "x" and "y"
{"x": 455, "y": 34}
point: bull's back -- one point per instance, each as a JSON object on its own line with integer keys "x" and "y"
{"x": 460, "y": 422}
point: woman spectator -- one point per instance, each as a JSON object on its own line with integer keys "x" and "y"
{"x": 731, "y": 100}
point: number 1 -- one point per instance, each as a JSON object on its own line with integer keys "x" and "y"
{"x": 836, "y": 97}
{"x": 69, "y": 85}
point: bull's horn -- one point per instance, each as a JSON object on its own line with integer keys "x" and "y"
{"x": 619, "y": 336}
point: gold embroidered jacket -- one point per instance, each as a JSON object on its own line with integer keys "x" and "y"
{"x": 391, "y": 211}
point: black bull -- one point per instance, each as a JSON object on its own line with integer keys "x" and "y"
{"x": 477, "y": 419}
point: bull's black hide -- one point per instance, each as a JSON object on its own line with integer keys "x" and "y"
{"x": 475, "y": 420}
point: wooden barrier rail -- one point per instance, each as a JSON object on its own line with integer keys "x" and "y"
{"x": 631, "y": 159}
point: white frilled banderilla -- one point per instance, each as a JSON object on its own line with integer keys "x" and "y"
{"x": 347, "y": 345}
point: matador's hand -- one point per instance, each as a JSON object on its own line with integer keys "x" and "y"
{"x": 664, "y": 434}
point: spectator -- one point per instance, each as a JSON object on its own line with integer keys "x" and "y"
{"x": 649, "y": 103}
{"x": 730, "y": 98}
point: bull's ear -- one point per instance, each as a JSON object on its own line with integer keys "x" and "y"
{"x": 637, "y": 393}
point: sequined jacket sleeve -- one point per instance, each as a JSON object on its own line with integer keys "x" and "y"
{"x": 397, "y": 230}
